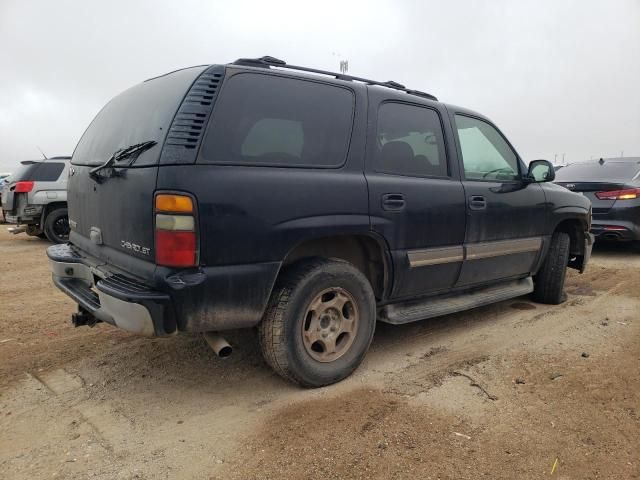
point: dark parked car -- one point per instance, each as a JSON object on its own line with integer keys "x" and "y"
{"x": 308, "y": 204}
{"x": 613, "y": 186}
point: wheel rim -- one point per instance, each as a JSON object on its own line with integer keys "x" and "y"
{"x": 61, "y": 228}
{"x": 330, "y": 324}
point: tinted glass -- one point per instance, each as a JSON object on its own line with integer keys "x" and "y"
{"x": 268, "y": 120}
{"x": 485, "y": 153}
{"x": 593, "y": 171}
{"x": 409, "y": 141}
{"x": 142, "y": 113}
{"x": 47, "y": 172}
{"x": 23, "y": 172}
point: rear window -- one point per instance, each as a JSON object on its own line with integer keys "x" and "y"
{"x": 140, "y": 114}
{"x": 268, "y": 120}
{"x": 22, "y": 172}
{"x": 37, "y": 172}
{"x": 595, "y": 172}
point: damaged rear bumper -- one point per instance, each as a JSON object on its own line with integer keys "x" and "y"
{"x": 111, "y": 297}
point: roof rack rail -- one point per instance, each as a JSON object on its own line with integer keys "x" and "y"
{"x": 267, "y": 62}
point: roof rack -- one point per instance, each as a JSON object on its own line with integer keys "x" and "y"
{"x": 267, "y": 62}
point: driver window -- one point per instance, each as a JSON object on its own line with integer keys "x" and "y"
{"x": 485, "y": 153}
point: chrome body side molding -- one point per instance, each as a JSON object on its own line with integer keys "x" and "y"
{"x": 472, "y": 251}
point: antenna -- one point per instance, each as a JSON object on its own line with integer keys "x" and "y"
{"x": 45, "y": 157}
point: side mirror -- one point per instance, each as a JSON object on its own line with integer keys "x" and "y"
{"x": 541, "y": 171}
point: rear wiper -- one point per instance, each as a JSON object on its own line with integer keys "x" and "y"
{"x": 128, "y": 152}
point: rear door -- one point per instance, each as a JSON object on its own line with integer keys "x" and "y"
{"x": 111, "y": 216}
{"x": 416, "y": 200}
{"x": 506, "y": 217}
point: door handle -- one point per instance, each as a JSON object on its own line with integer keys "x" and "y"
{"x": 393, "y": 201}
{"x": 477, "y": 202}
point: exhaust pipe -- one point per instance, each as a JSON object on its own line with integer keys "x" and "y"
{"x": 218, "y": 344}
{"x": 611, "y": 236}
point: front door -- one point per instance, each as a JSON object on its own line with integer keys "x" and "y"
{"x": 505, "y": 216}
{"x": 416, "y": 200}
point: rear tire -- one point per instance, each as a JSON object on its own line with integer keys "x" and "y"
{"x": 319, "y": 322}
{"x": 56, "y": 226}
{"x": 549, "y": 282}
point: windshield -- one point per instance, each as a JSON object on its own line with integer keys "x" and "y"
{"x": 142, "y": 113}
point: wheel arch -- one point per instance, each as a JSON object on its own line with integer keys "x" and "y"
{"x": 367, "y": 253}
{"x": 576, "y": 229}
{"x": 50, "y": 207}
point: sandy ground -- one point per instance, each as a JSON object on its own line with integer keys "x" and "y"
{"x": 505, "y": 391}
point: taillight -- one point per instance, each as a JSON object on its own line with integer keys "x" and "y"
{"x": 23, "y": 187}
{"x": 176, "y": 235}
{"x": 627, "y": 194}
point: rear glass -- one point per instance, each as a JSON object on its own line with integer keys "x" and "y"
{"x": 38, "y": 172}
{"x": 140, "y": 114}
{"x": 268, "y": 120}
{"x": 22, "y": 172}
{"x": 594, "y": 172}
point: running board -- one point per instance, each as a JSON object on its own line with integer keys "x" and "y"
{"x": 415, "y": 310}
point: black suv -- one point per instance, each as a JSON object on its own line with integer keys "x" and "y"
{"x": 308, "y": 204}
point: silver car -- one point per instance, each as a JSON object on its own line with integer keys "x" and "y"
{"x": 34, "y": 198}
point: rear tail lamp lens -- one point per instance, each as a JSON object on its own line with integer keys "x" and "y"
{"x": 23, "y": 187}
{"x": 175, "y": 222}
{"x": 175, "y": 249}
{"x": 627, "y": 194}
{"x": 176, "y": 236}
{"x": 174, "y": 203}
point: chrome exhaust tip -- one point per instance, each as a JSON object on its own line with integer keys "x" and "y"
{"x": 218, "y": 344}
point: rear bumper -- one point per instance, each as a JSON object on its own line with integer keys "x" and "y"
{"x": 114, "y": 299}
{"x": 615, "y": 229}
{"x": 209, "y": 298}
{"x": 620, "y": 222}
{"x": 26, "y": 215}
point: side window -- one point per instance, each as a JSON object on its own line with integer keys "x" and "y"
{"x": 410, "y": 141}
{"x": 277, "y": 121}
{"x": 47, "y": 172}
{"x": 485, "y": 153}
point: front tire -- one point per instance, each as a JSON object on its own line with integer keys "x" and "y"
{"x": 319, "y": 323}
{"x": 549, "y": 282}
{"x": 56, "y": 226}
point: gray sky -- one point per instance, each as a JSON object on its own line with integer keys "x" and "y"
{"x": 556, "y": 76}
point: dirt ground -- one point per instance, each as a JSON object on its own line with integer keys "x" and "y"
{"x": 513, "y": 390}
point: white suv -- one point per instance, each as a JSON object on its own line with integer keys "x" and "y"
{"x": 35, "y": 199}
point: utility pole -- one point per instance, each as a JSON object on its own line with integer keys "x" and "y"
{"x": 344, "y": 66}
{"x": 563, "y": 159}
